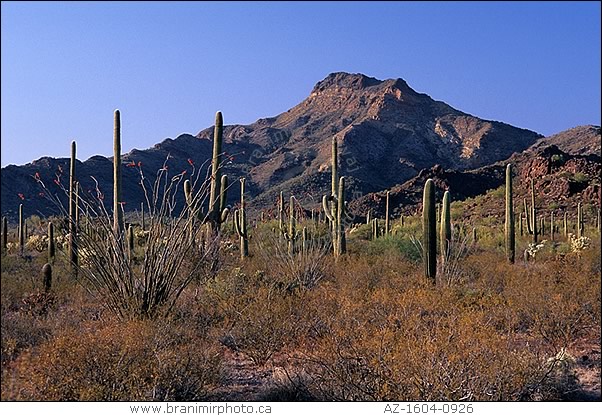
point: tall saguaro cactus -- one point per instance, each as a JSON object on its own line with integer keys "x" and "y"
{"x": 73, "y": 194}
{"x": 565, "y": 224}
{"x": 4, "y": 234}
{"x": 579, "y": 220}
{"x": 21, "y": 230}
{"x": 51, "y": 243}
{"x": 240, "y": 222}
{"x": 218, "y": 212}
{"x": 131, "y": 240}
{"x": 445, "y": 236}
{"x": 374, "y": 229}
{"x": 533, "y": 213}
{"x": 429, "y": 229}
{"x": 509, "y": 226}
{"x": 291, "y": 235}
{"x": 118, "y": 225}
{"x": 387, "y": 226}
{"x": 334, "y": 205}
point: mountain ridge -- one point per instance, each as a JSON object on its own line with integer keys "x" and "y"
{"x": 387, "y": 134}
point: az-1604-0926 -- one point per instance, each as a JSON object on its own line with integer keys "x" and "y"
{"x": 426, "y": 408}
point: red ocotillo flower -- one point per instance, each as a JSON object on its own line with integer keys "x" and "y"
{"x": 191, "y": 162}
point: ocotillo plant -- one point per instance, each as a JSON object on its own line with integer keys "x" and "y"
{"x": 240, "y": 222}
{"x": 579, "y": 220}
{"x": 47, "y": 274}
{"x": 142, "y": 213}
{"x": 387, "y": 227}
{"x": 218, "y": 212}
{"x": 4, "y": 234}
{"x": 509, "y": 226}
{"x": 429, "y": 231}
{"x": 117, "y": 212}
{"x": 446, "y": 233}
{"x": 21, "y": 230}
{"x": 291, "y": 235}
{"x": 51, "y": 243}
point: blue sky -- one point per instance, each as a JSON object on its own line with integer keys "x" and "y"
{"x": 170, "y": 66}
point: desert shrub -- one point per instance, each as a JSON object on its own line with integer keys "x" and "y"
{"x": 258, "y": 315}
{"x": 134, "y": 360}
{"x": 418, "y": 345}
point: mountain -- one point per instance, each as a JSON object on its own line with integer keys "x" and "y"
{"x": 581, "y": 140}
{"x": 387, "y": 133}
{"x": 561, "y": 180}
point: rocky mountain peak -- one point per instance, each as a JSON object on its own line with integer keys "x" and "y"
{"x": 344, "y": 80}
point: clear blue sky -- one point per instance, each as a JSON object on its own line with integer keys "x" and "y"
{"x": 170, "y": 66}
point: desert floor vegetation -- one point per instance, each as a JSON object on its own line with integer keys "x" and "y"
{"x": 271, "y": 326}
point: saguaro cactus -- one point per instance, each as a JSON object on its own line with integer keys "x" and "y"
{"x": 374, "y": 229}
{"x": 446, "y": 233}
{"x": 579, "y": 220}
{"x": 528, "y": 218}
{"x": 336, "y": 211}
{"x": 118, "y": 225}
{"x": 47, "y": 274}
{"x": 240, "y": 222}
{"x": 131, "y": 240}
{"x": 509, "y": 226}
{"x": 387, "y": 227}
{"x": 565, "y": 223}
{"x": 429, "y": 229}
{"x": 218, "y": 212}
{"x": 21, "y": 230}
{"x": 342, "y": 243}
{"x": 73, "y": 194}
{"x": 281, "y": 213}
{"x": 533, "y": 213}
{"x": 4, "y": 234}
{"x": 291, "y": 235}
{"x": 51, "y": 243}
{"x": 552, "y": 230}
{"x": 369, "y": 217}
